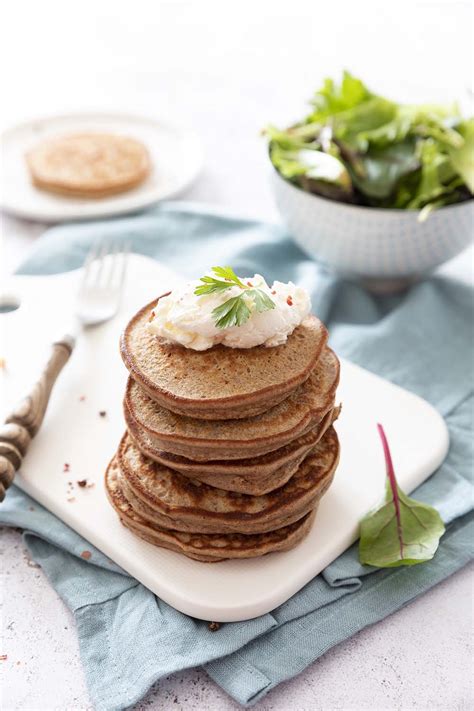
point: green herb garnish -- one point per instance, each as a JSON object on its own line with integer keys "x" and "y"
{"x": 237, "y": 310}
{"x": 402, "y": 531}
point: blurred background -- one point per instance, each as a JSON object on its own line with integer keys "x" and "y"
{"x": 225, "y": 69}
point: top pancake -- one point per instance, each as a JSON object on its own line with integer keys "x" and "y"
{"x": 221, "y": 383}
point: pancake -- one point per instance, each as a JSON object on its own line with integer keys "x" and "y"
{"x": 202, "y": 547}
{"x": 255, "y": 476}
{"x": 203, "y": 440}
{"x": 90, "y": 165}
{"x": 170, "y": 500}
{"x": 220, "y": 383}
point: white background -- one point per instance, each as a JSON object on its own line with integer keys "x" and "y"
{"x": 226, "y": 69}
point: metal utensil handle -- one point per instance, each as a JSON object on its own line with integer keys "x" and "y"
{"x": 25, "y": 419}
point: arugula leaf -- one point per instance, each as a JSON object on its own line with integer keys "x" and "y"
{"x": 402, "y": 531}
{"x": 236, "y": 310}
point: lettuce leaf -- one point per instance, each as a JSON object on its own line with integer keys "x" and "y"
{"x": 462, "y": 157}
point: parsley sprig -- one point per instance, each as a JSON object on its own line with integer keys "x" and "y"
{"x": 236, "y": 310}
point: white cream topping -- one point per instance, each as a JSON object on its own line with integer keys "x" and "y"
{"x": 184, "y": 318}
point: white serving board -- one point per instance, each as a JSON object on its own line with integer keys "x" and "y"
{"x": 74, "y": 432}
{"x": 176, "y": 156}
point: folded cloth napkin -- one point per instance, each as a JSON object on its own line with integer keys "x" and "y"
{"x": 422, "y": 340}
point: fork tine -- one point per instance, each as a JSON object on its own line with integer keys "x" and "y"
{"x": 115, "y": 255}
{"x": 103, "y": 251}
{"x": 88, "y": 261}
{"x": 123, "y": 266}
{"x": 119, "y": 263}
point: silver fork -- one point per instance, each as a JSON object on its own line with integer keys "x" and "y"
{"x": 98, "y": 300}
{"x": 100, "y": 289}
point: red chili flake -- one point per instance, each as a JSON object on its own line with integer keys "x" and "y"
{"x": 289, "y": 301}
{"x": 274, "y": 292}
{"x": 102, "y": 413}
{"x": 66, "y": 467}
{"x": 82, "y": 398}
{"x": 82, "y": 483}
{"x": 3, "y": 657}
{"x": 214, "y": 626}
{"x": 86, "y": 555}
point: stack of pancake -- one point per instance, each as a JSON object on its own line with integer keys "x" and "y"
{"x": 227, "y": 451}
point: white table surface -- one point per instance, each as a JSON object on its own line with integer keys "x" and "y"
{"x": 227, "y": 69}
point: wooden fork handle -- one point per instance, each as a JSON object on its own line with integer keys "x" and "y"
{"x": 25, "y": 419}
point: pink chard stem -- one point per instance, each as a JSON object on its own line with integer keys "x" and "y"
{"x": 393, "y": 485}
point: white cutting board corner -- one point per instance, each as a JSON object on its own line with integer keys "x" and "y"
{"x": 74, "y": 432}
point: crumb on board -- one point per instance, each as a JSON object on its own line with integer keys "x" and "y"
{"x": 3, "y": 363}
{"x": 66, "y": 467}
{"x": 102, "y": 413}
{"x": 3, "y": 657}
{"x": 71, "y": 499}
{"x": 82, "y": 483}
{"x": 82, "y": 398}
{"x": 214, "y": 626}
{"x": 86, "y": 555}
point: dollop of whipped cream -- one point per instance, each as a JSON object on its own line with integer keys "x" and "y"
{"x": 184, "y": 318}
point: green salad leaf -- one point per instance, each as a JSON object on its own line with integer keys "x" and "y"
{"x": 462, "y": 157}
{"x": 384, "y": 167}
{"x": 381, "y": 153}
{"x": 401, "y": 531}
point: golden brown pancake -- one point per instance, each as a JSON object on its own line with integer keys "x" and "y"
{"x": 90, "y": 165}
{"x": 170, "y": 500}
{"x": 220, "y": 383}
{"x": 255, "y": 476}
{"x": 203, "y": 440}
{"x": 203, "y": 547}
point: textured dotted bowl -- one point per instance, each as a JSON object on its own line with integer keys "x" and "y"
{"x": 385, "y": 248}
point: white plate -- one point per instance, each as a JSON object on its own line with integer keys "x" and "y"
{"x": 176, "y": 156}
{"x": 73, "y": 432}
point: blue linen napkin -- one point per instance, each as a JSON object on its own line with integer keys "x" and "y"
{"x": 422, "y": 340}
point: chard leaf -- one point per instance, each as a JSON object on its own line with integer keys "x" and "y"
{"x": 401, "y": 531}
{"x": 463, "y": 157}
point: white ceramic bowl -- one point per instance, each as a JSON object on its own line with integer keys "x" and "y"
{"x": 373, "y": 244}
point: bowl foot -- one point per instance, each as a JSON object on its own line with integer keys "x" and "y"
{"x": 388, "y": 285}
